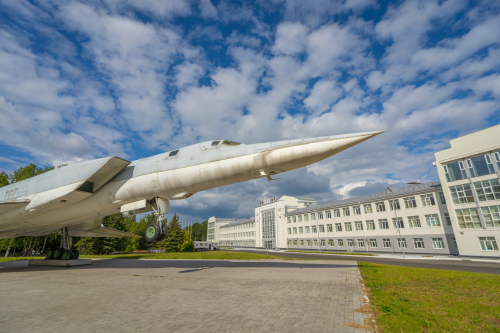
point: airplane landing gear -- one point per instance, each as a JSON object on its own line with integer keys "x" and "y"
{"x": 64, "y": 252}
{"x": 157, "y": 231}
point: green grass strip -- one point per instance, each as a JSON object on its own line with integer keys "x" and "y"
{"x": 218, "y": 255}
{"x": 431, "y": 300}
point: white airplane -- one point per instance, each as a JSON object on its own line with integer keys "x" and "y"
{"x": 75, "y": 198}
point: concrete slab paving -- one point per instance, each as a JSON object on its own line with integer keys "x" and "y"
{"x": 130, "y": 295}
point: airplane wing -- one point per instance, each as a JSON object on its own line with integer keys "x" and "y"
{"x": 65, "y": 195}
{"x": 7, "y": 206}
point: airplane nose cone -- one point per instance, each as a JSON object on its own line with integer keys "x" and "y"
{"x": 300, "y": 153}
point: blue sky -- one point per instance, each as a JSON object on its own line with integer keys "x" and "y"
{"x": 87, "y": 79}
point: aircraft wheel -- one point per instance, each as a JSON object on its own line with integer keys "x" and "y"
{"x": 57, "y": 254}
{"x": 49, "y": 254}
{"x": 66, "y": 255}
{"x": 152, "y": 232}
{"x": 163, "y": 234}
{"x": 75, "y": 254}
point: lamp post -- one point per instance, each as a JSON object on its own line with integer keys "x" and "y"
{"x": 397, "y": 222}
{"x": 317, "y": 228}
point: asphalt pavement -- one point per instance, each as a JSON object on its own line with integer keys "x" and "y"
{"x": 456, "y": 264}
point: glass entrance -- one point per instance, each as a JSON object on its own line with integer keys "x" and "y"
{"x": 268, "y": 229}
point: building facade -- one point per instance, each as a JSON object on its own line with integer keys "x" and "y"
{"x": 470, "y": 172}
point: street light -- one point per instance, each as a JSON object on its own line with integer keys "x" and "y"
{"x": 397, "y": 222}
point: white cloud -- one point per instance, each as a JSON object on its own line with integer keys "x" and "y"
{"x": 207, "y": 9}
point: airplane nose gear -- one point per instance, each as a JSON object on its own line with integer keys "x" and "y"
{"x": 64, "y": 252}
{"x": 157, "y": 231}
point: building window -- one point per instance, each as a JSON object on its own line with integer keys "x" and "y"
{"x": 288, "y": 219}
{"x": 294, "y": 231}
{"x": 320, "y": 215}
{"x": 289, "y": 231}
{"x": 361, "y": 242}
{"x": 368, "y": 208}
{"x": 315, "y": 243}
{"x": 306, "y": 218}
{"x": 322, "y": 242}
{"x": 329, "y": 228}
{"x": 348, "y": 226}
{"x": 321, "y": 228}
{"x": 340, "y": 242}
{"x": 383, "y": 224}
{"x": 414, "y": 222}
{"x": 294, "y": 219}
{"x": 410, "y": 202}
{"x": 358, "y": 225}
{"x": 373, "y": 243}
{"x": 480, "y": 166}
{"x": 488, "y": 190}
{"x": 331, "y": 242}
{"x": 488, "y": 244}
{"x": 461, "y": 194}
{"x": 328, "y": 214}
{"x": 338, "y": 226}
{"x": 418, "y": 243}
{"x": 336, "y": 213}
{"x": 313, "y": 229}
{"x": 308, "y": 243}
{"x": 370, "y": 225}
{"x": 307, "y": 230}
{"x": 441, "y": 196}
{"x": 346, "y": 211}
{"x": 268, "y": 224}
{"x": 301, "y": 231}
{"x": 432, "y": 220}
{"x": 455, "y": 243}
{"x": 299, "y": 218}
{"x": 447, "y": 218}
{"x": 468, "y": 218}
{"x": 356, "y": 210}
{"x": 394, "y": 204}
{"x": 386, "y": 243}
{"x": 454, "y": 171}
{"x": 437, "y": 243}
{"x": 427, "y": 200}
{"x": 497, "y": 158}
{"x": 289, "y": 241}
{"x": 350, "y": 242}
{"x": 380, "y": 206}
{"x": 491, "y": 216}
{"x": 302, "y": 243}
{"x": 313, "y": 216}
{"x": 402, "y": 243}
{"x": 398, "y": 222}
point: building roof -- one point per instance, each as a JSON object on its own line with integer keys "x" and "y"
{"x": 305, "y": 199}
{"x": 387, "y": 194}
{"x": 238, "y": 221}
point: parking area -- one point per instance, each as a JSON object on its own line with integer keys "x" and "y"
{"x": 129, "y": 295}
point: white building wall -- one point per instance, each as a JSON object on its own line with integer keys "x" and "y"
{"x": 475, "y": 146}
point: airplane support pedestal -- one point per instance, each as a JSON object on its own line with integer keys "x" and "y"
{"x": 59, "y": 263}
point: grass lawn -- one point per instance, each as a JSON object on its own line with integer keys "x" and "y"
{"x": 327, "y": 252}
{"x": 431, "y": 300}
{"x": 222, "y": 255}
{"x": 2, "y": 259}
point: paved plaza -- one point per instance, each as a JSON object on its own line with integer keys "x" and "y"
{"x": 129, "y": 295}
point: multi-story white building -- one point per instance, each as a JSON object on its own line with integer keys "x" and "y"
{"x": 362, "y": 224}
{"x": 374, "y": 223}
{"x": 470, "y": 173}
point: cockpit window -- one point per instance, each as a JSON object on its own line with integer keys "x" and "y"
{"x": 173, "y": 153}
{"x": 230, "y": 143}
{"x": 215, "y": 143}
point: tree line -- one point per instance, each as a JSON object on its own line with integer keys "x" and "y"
{"x": 177, "y": 239}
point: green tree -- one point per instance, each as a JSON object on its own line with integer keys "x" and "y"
{"x": 188, "y": 245}
{"x": 199, "y": 231}
{"x": 4, "y": 179}
{"x": 175, "y": 236}
{"x": 31, "y": 170}
{"x": 139, "y": 228}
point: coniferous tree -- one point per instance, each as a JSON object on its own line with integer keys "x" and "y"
{"x": 175, "y": 236}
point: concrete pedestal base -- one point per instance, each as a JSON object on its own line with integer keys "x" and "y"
{"x": 59, "y": 263}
